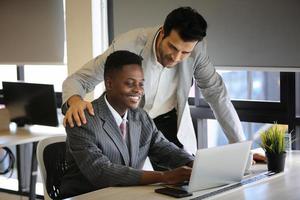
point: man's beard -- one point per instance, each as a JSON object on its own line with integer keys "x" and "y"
{"x": 163, "y": 59}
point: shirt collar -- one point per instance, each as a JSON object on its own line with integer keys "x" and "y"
{"x": 115, "y": 114}
{"x": 154, "y": 47}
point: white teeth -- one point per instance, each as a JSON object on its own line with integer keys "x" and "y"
{"x": 135, "y": 98}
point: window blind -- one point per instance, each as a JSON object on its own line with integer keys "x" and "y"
{"x": 260, "y": 34}
{"x": 32, "y": 32}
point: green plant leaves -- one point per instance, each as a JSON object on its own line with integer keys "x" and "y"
{"x": 273, "y": 140}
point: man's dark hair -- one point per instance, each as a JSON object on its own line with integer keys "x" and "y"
{"x": 118, "y": 59}
{"x": 189, "y": 24}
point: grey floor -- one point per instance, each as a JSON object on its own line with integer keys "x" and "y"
{"x": 6, "y": 196}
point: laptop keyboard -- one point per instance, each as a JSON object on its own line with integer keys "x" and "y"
{"x": 235, "y": 185}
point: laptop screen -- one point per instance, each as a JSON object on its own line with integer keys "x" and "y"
{"x": 218, "y": 166}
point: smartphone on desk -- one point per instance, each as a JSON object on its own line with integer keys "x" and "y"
{"x": 173, "y": 192}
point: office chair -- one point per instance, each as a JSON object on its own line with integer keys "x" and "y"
{"x": 51, "y": 159}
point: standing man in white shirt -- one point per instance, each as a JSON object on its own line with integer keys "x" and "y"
{"x": 173, "y": 54}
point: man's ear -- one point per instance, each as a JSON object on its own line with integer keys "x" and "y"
{"x": 108, "y": 83}
{"x": 162, "y": 32}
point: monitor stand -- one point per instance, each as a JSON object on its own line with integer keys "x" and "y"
{"x": 20, "y": 122}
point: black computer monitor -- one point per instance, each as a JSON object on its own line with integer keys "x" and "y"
{"x": 30, "y": 103}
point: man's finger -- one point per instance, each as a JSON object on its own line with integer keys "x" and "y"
{"x": 69, "y": 120}
{"x": 77, "y": 119}
{"x": 90, "y": 109}
{"x": 82, "y": 116}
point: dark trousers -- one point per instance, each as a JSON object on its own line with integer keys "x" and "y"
{"x": 167, "y": 124}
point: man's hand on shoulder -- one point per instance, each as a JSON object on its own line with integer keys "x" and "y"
{"x": 76, "y": 111}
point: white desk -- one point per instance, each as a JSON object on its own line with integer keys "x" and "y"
{"x": 35, "y": 133}
{"x": 283, "y": 186}
{"x": 23, "y": 136}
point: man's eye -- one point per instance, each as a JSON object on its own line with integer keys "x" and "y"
{"x": 130, "y": 84}
{"x": 173, "y": 48}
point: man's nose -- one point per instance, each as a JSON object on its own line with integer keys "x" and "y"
{"x": 177, "y": 56}
{"x": 138, "y": 89}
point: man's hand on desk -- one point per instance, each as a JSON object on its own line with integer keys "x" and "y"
{"x": 177, "y": 175}
{"x": 259, "y": 158}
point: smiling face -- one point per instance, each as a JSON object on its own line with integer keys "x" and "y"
{"x": 125, "y": 87}
{"x": 171, "y": 49}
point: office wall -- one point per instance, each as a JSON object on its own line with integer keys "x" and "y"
{"x": 131, "y": 14}
{"x": 79, "y": 34}
{"x": 256, "y": 33}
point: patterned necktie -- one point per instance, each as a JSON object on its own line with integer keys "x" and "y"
{"x": 123, "y": 129}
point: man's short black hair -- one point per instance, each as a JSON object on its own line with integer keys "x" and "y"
{"x": 189, "y": 24}
{"x": 118, "y": 59}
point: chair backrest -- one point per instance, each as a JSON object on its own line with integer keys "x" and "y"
{"x": 51, "y": 158}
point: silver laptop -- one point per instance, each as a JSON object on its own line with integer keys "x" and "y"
{"x": 218, "y": 166}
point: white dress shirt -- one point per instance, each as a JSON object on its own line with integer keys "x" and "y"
{"x": 160, "y": 86}
{"x": 118, "y": 119}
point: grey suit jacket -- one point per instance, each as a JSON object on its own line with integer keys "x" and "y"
{"x": 197, "y": 65}
{"x": 98, "y": 157}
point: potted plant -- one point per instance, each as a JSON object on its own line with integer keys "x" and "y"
{"x": 273, "y": 143}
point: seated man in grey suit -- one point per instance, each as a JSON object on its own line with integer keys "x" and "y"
{"x": 111, "y": 148}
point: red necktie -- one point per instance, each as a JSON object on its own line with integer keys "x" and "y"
{"x": 123, "y": 129}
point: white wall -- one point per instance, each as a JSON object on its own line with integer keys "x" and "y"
{"x": 257, "y": 33}
{"x": 79, "y": 34}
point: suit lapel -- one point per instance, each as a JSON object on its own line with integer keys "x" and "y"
{"x": 134, "y": 137}
{"x": 112, "y": 130}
